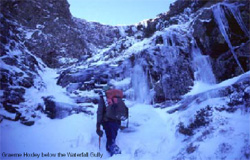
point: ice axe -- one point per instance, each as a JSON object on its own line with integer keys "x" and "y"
{"x": 100, "y": 133}
{"x": 99, "y": 142}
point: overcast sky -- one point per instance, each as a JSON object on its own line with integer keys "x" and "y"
{"x": 118, "y": 12}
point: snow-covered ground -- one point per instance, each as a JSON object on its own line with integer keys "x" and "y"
{"x": 152, "y": 134}
{"x": 45, "y": 85}
{"x": 200, "y": 86}
{"x": 76, "y": 134}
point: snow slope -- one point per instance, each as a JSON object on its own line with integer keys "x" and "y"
{"x": 45, "y": 85}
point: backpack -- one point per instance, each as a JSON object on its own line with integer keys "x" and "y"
{"x": 116, "y": 108}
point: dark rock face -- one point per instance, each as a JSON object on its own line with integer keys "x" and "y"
{"x": 208, "y": 35}
{"x": 51, "y": 33}
{"x": 97, "y": 34}
{"x": 225, "y": 66}
{"x": 167, "y": 80}
{"x": 56, "y": 109}
{"x": 42, "y": 29}
{"x": 212, "y": 42}
{"x": 18, "y": 66}
{"x": 17, "y": 74}
{"x": 14, "y": 96}
{"x": 37, "y": 11}
{"x": 59, "y": 110}
{"x": 80, "y": 76}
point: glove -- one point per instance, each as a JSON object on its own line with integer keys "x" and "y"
{"x": 99, "y": 132}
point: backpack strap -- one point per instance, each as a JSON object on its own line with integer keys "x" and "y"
{"x": 105, "y": 99}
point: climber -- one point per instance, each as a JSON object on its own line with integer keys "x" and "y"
{"x": 108, "y": 119}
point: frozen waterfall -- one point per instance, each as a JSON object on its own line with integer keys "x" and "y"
{"x": 203, "y": 74}
{"x": 140, "y": 85}
{"x": 202, "y": 66}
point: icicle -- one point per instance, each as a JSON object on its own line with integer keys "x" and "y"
{"x": 222, "y": 23}
{"x": 153, "y": 86}
{"x": 170, "y": 50}
{"x": 236, "y": 13}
